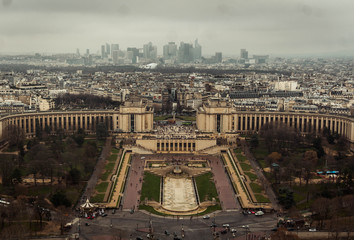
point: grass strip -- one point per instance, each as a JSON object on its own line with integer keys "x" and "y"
{"x": 151, "y": 187}
{"x": 102, "y": 187}
{"x": 206, "y": 187}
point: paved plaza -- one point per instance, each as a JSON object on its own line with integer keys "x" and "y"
{"x": 223, "y": 185}
{"x": 132, "y": 192}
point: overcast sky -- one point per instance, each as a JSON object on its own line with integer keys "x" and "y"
{"x": 275, "y": 27}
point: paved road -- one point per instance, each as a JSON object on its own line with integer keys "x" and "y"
{"x": 125, "y": 225}
{"x": 223, "y": 185}
{"x": 134, "y": 183}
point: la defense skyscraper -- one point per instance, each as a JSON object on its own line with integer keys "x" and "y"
{"x": 197, "y": 50}
{"x": 187, "y": 53}
{"x": 170, "y": 51}
{"x": 243, "y": 54}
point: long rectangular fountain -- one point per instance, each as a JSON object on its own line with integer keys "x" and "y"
{"x": 179, "y": 194}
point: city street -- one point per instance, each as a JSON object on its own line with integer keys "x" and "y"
{"x": 130, "y": 226}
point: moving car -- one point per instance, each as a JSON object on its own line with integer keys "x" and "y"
{"x": 259, "y": 213}
{"x": 226, "y": 225}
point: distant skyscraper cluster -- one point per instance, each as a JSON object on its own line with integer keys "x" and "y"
{"x": 172, "y": 54}
{"x": 185, "y": 53}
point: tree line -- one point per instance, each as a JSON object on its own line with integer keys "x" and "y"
{"x": 79, "y": 101}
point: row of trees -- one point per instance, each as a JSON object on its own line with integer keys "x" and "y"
{"x": 49, "y": 153}
{"x": 79, "y": 101}
{"x": 293, "y": 158}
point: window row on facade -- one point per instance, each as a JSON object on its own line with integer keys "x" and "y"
{"x": 175, "y": 146}
{"x": 68, "y": 122}
{"x": 302, "y": 123}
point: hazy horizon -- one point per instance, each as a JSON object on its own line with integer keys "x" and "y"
{"x": 274, "y": 27}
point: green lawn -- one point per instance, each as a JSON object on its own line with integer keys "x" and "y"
{"x": 104, "y": 176}
{"x": 261, "y": 198}
{"x": 256, "y": 188}
{"x": 251, "y": 176}
{"x": 186, "y": 118}
{"x": 206, "y": 187}
{"x": 151, "y": 209}
{"x": 98, "y": 198}
{"x": 240, "y": 157}
{"x": 108, "y": 170}
{"x": 245, "y": 167}
{"x": 115, "y": 150}
{"x": 151, "y": 187}
{"x": 237, "y": 150}
{"x": 112, "y": 158}
{"x": 102, "y": 187}
{"x": 109, "y": 166}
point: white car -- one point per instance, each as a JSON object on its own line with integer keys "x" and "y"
{"x": 233, "y": 230}
{"x": 259, "y": 213}
{"x": 245, "y": 226}
{"x": 312, "y": 230}
{"x": 206, "y": 217}
{"x": 226, "y": 225}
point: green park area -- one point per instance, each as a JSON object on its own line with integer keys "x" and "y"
{"x": 105, "y": 177}
{"x": 151, "y": 187}
{"x": 254, "y": 185}
{"x": 290, "y": 162}
{"x": 206, "y": 187}
{"x": 49, "y": 165}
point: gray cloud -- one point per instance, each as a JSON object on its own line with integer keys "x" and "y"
{"x": 272, "y": 26}
{"x": 6, "y": 3}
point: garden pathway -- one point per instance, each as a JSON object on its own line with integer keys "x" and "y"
{"x": 90, "y": 187}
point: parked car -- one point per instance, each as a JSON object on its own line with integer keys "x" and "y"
{"x": 206, "y": 217}
{"x": 104, "y": 215}
{"x": 312, "y": 230}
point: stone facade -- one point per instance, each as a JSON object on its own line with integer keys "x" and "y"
{"x": 176, "y": 145}
{"x": 217, "y": 116}
{"x": 132, "y": 117}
